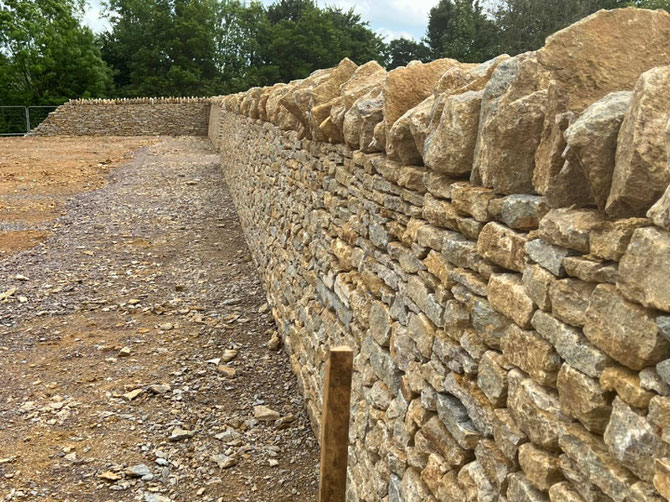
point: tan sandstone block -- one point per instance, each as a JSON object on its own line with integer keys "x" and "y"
{"x": 625, "y": 331}
{"x": 502, "y": 246}
{"x": 508, "y": 296}
{"x": 532, "y": 353}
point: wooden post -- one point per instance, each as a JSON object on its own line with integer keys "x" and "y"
{"x": 335, "y": 425}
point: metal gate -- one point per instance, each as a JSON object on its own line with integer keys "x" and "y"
{"x": 19, "y": 122}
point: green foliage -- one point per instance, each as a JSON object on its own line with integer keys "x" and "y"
{"x": 46, "y": 56}
{"x": 460, "y": 29}
{"x": 162, "y": 47}
{"x": 403, "y": 50}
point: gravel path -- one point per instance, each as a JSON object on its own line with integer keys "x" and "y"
{"x": 135, "y": 350}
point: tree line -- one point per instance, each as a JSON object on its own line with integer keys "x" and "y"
{"x": 211, "y": 47}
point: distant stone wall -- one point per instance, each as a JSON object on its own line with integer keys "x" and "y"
{"x": 128, "y": 117}
{"x": 493, "y": 241}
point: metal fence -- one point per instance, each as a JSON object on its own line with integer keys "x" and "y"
{"x": 20, "y": 120}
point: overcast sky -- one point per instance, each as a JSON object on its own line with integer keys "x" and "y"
{"x": 390, "y": 18}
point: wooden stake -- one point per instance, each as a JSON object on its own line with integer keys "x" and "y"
{"x": 335, "y": 425}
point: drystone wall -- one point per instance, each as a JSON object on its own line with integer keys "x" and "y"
{"x": 128, "y": 117}
{"x": 493, "y": 241}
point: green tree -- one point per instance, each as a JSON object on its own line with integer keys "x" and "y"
{"x": 460, "y": 29}
{"x": 162, "y": 47}
{"x": 403, "y": 50}
{"x": 47, "y": 56}
{"x": 301, "y": 37}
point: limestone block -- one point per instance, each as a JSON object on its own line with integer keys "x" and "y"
{"x": 362, "y": 118}
{"x": 505, "y": 154}
{"x": 590, "y": 270}
{"x": 537, "y": 282}
{"x": 502, "y": 246}
{"x": 532, "y": 353}
{"x": 569, "y": 228}
{"x": 644, "y": 271}
{"x": 406, "y": 86}
{"x": 442, "y": 442}
{"x": 626, "y": 384}
{"x": 508, "y": 296}
{"x": 496, "y": 465}
{"x": 476, "y": 484}
{"x": 540, "y": 467}
{"x": 439, "y": 185}
{"x": 581, "y": 397}
{"x": 401, "y": 143}
{"x": 549, "y": 256}
{"x": 633, "y": 441}
{"x": 507, "y": 435}
{"x": 523, "y": 212}
{"x": 564, "y": 492}
{"x": 536, "y": 410}
{"x": 641, "y": 174}
{"x": 520, "y": 489}
{"x": 449, "y": 148}
{"x": 492, "y": 377}
{"x": 592, "y": 458}
{"x": 570, "y": 299}
{"x": 440, "y": 213}
{"x": 457, "y": 421}
{"x": 659, "y": 213}
{"x": 473, "y": 399}
{"x": 610, "y": 239}
{"x": 593, "y": 140}
{"x": 623, "y": 330}
{"x": 662, "y": 476}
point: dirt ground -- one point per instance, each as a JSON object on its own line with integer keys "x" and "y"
{"x": 134, "y": 333}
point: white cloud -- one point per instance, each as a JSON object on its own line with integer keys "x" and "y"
{"x": 93, "y": 17}
{"x": 389, "y": 18}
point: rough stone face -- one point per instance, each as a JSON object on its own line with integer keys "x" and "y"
{"x": 505, "y": 154}
{"x": 623, "y": 330}
{"x": 401, "y": 143}
{"x": 626, "y": 384}
{"x": 492, "y": 377}
{"x": 502, "y": 246}
{"x": 641, "y": 173}
{"x": 564, "y": 492}
{"x": 633, "y": 442}
{"x": 536, "y": 411}
{"x": 449, "y": 148}
{"x": 590, "y": 270}
{"x": 610, "y": 239}
{"x": 362, "y": 118}
{"x": 659, "y": 213}
{"x": 550, "y": 257}
{"x": 507, "y": 434}
{"x": 593, "y": 140}
{"x": 537, "y": 282}
{"x": 507, "y": 295}
{"x": 569, "y": 228}
{"x": 532, "y": 353}
{"x": 570, "y": 299}
{"x": 644, "y": 271}
{"x": 523, "y": 212}
{"x": 591, "y": 457}
{"x": 662, "y": 477}
{"x": 520, "y": 489}
{"x": 581, "y": 397}
{"x": 407, "y": 86}
{"x": 595, "y": 45}
{"x": 540, "y": 467}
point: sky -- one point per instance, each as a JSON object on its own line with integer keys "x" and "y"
{"x": 389, "y": 18}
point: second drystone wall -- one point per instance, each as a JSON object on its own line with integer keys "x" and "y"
{"x": 493, "y": 241}
{"x": 128, "y": 117}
